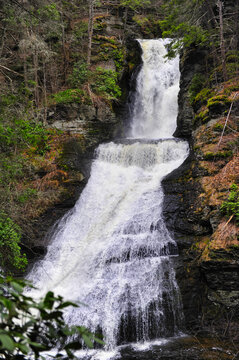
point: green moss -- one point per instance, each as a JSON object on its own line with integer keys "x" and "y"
{"x": 232, "y": 69}
{"x": 232, "y": 56}
{"x": 106, "y": 46}
{"x": 230, "y": 207}
{"x": 234, "y": 87}
{"x": 218, "y": 127}
{"x": 202, "y": 117}
{"x": 99, "y": 25}
{"x": 196, "y": 85}
{"x": 218, "y": 103}
{"x": 218, "y": 155}
{"x": 201, "y": 98}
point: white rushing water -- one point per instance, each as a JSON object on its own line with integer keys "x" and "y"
{"x": 156, "y": 107}
{"x": 113, "y": 251}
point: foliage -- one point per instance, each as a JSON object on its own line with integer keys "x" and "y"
{"x": 79, "y": 74}
{"x": 10, "y": 251}
{"x": 68, "y": 96}
{"x": 20, "y": 132}
{"x": 26, "y": 195}
{"x": 196, "y": 85}
{"x": 181, "y": 24}
{"x": 230, "y": 207}
{"x": 11, "y": 169}
{"x": 30, "y": 327}
{"x": 50, "y": 12}
{"x": 134, "y": 4}
{"x": 106, "y": 83}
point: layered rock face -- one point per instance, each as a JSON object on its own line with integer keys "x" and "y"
{"x": 208, "y": 268}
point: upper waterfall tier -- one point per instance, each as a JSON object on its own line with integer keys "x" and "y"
{"x": 155, "y": 106}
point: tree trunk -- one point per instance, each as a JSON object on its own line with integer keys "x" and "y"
{"x": 25, "y": 69}
{"x": 44, "y": 94}
{"x": 35, "y": 63}
{"x": 222, "y": 40}
{"x": 236, "y": 39}
{"x": 90, "y": 29}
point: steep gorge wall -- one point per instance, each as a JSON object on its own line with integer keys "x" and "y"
{"x": 208, "y": 266}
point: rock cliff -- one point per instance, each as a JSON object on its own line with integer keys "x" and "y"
{"x": 207, "y": 240}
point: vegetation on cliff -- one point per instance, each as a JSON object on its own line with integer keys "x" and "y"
{"x": 44, "y": 71}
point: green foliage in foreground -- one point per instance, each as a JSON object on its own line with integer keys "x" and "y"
{"x": 230, "y": 207}
{"x": 30, "y": 327}
{"x": 10, "y": 251}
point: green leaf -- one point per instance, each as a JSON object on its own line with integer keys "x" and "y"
{"x": 66, "y": 304}
{"x": 49, "y": 300}
{"x": 37, "y": 345}
{"x": 87, "y": 341}
{"x": 17, "y": 287}
{"x": 7, "y": 342}
{"x": 23, "y": 347}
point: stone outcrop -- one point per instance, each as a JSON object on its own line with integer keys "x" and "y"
{"x": 208, "y": 264}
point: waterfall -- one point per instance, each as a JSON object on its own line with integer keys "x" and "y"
{"x": 156, "y": 107}
{"x": 113, "y": 251}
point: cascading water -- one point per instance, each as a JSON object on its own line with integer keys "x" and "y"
{"x": 155, "y": 108}
{"x": 113, "y": 251}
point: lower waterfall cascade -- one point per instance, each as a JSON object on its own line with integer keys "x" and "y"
{"x": 112, "y": 251}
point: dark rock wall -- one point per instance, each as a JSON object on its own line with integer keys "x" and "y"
{"x": 208, "y": 263}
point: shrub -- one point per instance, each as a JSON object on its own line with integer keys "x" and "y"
{"x": 10, "y": 251}
{"x": 106, "y": 84}
{"x": 68, "y": 96}
{"x": 22, "y": 132}
{"x": 80, "y": 74}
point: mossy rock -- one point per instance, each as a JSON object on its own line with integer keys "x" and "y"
{"x": 232, "y": 56}
{"x": 218, "y": 155}
{"x": 202, "y": 118}
{"x": 201, "y": 98}
{"x": 218, "y": 127}
{"x": 218, "y": 104}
